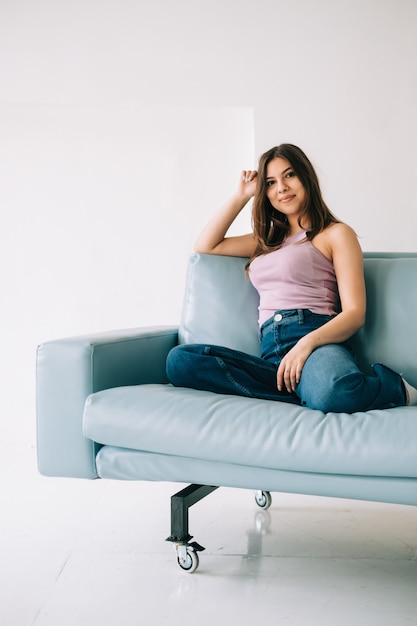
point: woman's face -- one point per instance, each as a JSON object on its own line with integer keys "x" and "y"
{"x": 284, "y": 189}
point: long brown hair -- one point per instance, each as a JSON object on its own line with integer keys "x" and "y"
{"x": 271, "y": 226}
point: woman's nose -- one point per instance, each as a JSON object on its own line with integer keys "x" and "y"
{"x": 282, "y": 185}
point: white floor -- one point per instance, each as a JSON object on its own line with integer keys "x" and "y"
{"x": 75, "y": 553}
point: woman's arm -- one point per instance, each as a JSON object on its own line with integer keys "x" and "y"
{"x": 340, "y": 244}
{"x": 213, "y": 240}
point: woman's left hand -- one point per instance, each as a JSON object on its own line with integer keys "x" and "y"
{"x": 291, "y": 366}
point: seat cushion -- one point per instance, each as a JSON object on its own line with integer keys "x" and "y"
{"x": 251, "y": 432}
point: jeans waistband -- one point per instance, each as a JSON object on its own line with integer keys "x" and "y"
{"x": 299, "y": 314}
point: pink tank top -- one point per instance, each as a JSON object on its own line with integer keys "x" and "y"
{"x": 296, "y": 276}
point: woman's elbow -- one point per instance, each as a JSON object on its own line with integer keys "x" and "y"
{"x": 360, "y": 319}
{"x": 202, "y": 249}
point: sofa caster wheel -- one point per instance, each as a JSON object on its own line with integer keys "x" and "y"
{"x": 187, "y": 557}
{"x": 263, "y": 499}
{"x": 190, "y": 562}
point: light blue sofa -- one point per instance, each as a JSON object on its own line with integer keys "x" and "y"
{"x": 105, "y": 410}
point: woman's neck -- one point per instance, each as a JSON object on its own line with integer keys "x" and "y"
{"x": 296, "y": 228}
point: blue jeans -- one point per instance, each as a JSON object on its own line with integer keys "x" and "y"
{"x": 330, "y": 381}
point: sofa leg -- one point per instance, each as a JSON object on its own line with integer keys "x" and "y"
{"x": 187, "y": 556}
{"x": 180, "y": 503}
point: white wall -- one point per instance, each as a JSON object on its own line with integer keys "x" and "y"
{"x": 102, "y": 206}
{"x": 123, "y": 123}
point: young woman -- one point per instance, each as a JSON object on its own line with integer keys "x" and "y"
{"x": 308, "y": 270}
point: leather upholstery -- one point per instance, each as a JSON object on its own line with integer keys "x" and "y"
{"x": 104, "y": 408}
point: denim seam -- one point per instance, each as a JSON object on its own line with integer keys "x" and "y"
{"x": 232, "y": 380}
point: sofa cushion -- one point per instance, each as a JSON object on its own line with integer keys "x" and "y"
{"x": 251, "y": 432}
{"x": 220, "y": 305}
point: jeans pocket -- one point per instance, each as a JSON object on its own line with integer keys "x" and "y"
{"x": 316, "y": 320}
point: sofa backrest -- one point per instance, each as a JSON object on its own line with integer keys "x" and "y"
{"x": 221, "y": 307}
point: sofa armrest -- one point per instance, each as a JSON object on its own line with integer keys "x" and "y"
{"x": 69, "y": 370}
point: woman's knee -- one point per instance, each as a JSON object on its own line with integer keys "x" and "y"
{"x": 333, "y": 394}
{"x": 331, "y": 380}
{"x": 175, "y": 364}
{"x": 180, "y": 364}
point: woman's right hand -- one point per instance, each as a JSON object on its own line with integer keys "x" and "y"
{"x": 213, "y": 239}
{"x": 247, "y": 183}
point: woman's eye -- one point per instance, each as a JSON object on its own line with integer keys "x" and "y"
{"x": 289, "y": 174}
{"x": 269, "y": 183}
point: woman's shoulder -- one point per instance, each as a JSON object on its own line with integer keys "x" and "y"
{"x": 339, "y": 229}
{"x": 335, "y": 238}
{"x": 338, "y": 233}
